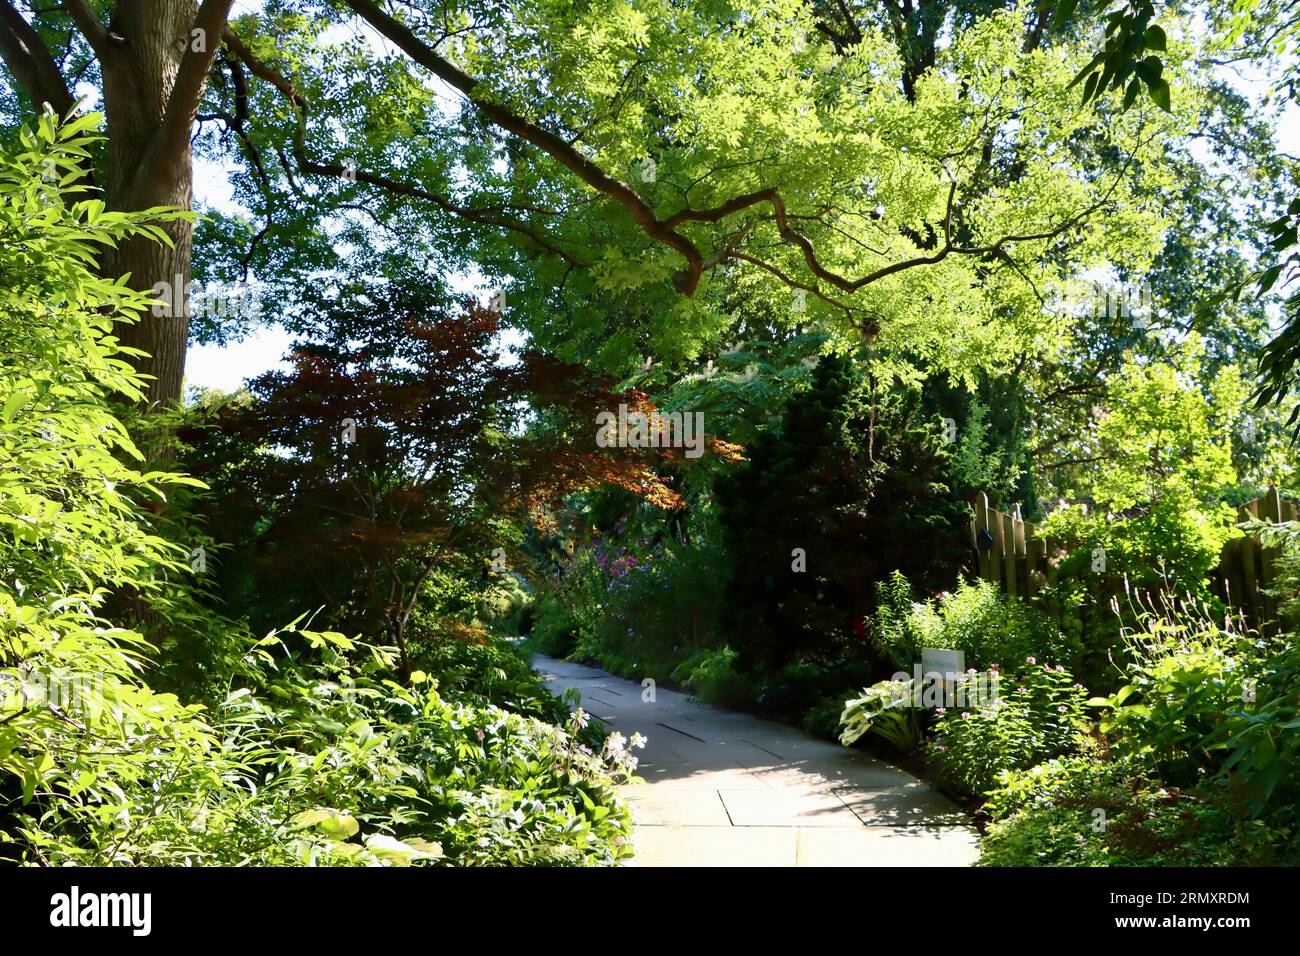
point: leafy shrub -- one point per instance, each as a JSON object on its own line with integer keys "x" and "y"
{"x": 1180, "y": 690}
{"x": 1038, "y": 714}
{"x": 1050, "y": 836}
{"x": 845, "y": 463}
{"x": 324, "y": 763}
{"x": 1165, "y": 547}
{"x": 713, "y": 677}
{"x": 1086, "y": 811}
{"x": 507, "y": 606}
{"x": 1202, "y": 702}
{"x": 976, "y": 618}
{"x": 884, "y": 709}
{"x": 1195, "y": 765}
{"x": 556, "y": 631}
{"x": 488, "y": 786}
{"x": 658, "y": 603}
{"x": 489, "y": 671}
{"x": 1078, "y": 780}
{"x": 822, "y": 719}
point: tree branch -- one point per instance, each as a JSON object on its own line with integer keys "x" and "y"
{"x": 91, "y": 28}
{"x": 173, "y": 136}
{"x": 846, "y": 284}
{"x": 553, "y": 145}
{"x": 31, "y": 63}
{"x": 260, "y": 69}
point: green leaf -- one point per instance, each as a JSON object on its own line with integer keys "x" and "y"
{"x": 1130, "y": 94}
{"x": 13, "y": 404}
{"x": 1160, "y": 93}
{"x": 400, "y": 852}
{"x": 1064, "y": 10}
{"x": 1150, "y": 69}
{"x": 331, "y": 823}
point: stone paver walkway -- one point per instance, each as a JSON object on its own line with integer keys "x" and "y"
{"x": 728, "y": 789}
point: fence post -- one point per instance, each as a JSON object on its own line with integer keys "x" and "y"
{"x": 1249, "y": 581}
{"x": 1009, "y": 552}
{"x": 1272, "y": 511}
{"x": 1245, "y": 568}
{"x": 999, "y": 552}
{"x": 994, "y": 528}
{"x": 1022, "y": 557}
{"x": 981, "y": 523}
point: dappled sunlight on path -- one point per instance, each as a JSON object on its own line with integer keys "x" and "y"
{"x": 728, "y": 789}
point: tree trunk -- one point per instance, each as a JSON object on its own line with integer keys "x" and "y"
{"x": 138, "y": 85}
{"x": 154, "y": 58}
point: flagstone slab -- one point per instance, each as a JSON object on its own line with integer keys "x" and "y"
{"x": 913, "y": 804}
{"x": 839, "y": 772}
{"x": 786, "y": 808}
{"x": 691, "y": 807}
{"x": 662, "y": 777}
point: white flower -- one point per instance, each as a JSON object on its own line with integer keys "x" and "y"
{"x": 615, "y": 744}
{"x": 637, "y": 741}
{"x": 580, "y": 718}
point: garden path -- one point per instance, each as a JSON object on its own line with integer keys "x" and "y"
{"x": 728, "y": 789}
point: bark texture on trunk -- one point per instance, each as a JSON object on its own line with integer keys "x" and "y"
{"x": 139, "y": 78}
{"x": 154, "y": 58}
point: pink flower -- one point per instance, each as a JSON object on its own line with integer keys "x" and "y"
{"x": 1030, "y": 660}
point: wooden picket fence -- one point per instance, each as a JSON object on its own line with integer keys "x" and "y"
{"x": 1013, "y": 555}
{"x": 1009, "y": 550}
{"x": 1246, "y": 568}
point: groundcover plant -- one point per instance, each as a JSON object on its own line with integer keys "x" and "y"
{"x": 597, "y": 433}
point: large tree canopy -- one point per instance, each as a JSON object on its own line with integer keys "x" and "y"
{"x": 636, "y": 174}
{"x": 623, "y": 167}
{"x": 681, "y": 155}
